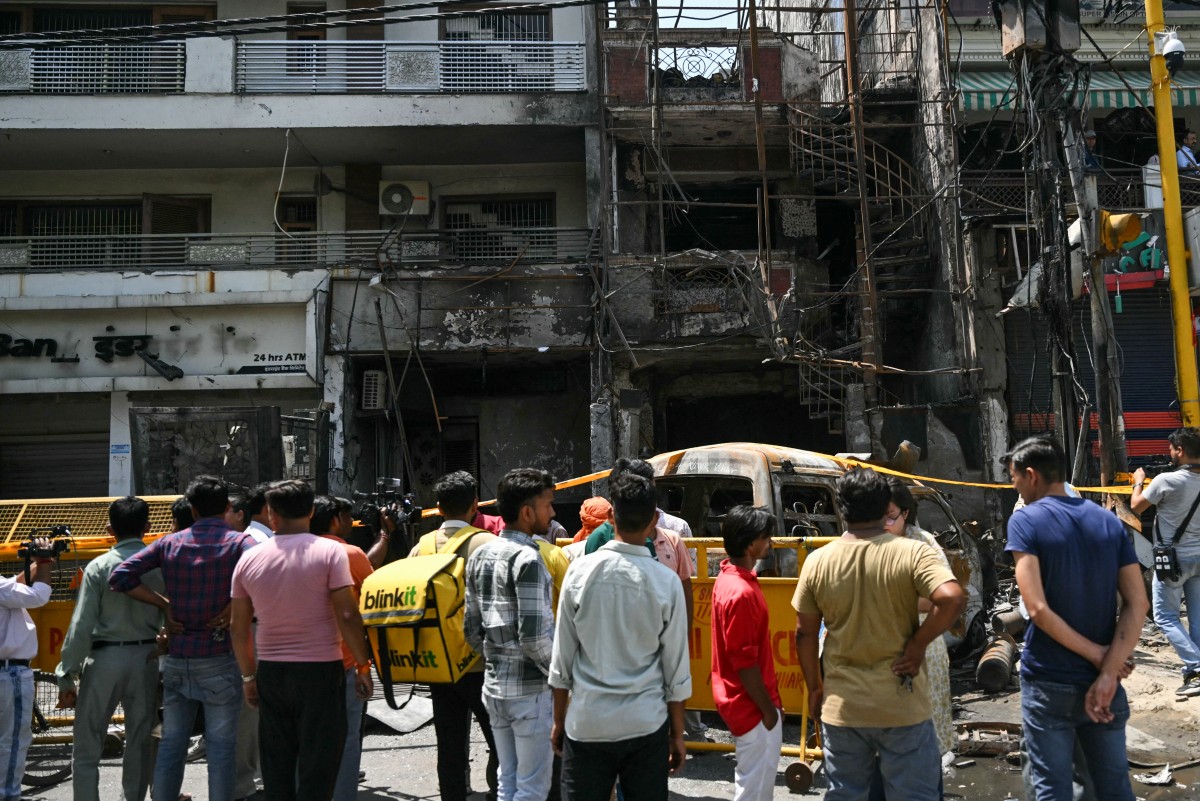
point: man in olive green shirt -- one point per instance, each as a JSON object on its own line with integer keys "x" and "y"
{"x": 109, "y": 655}
{"x": 872, "y": 700}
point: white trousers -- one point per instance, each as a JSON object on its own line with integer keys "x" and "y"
{"x": 757, "y": 762}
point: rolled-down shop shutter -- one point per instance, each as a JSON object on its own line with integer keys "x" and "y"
{"x": 1147, "y": 356}
{"x": 75, "y": 469}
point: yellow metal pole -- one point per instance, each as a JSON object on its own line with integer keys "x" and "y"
{"x": 1187, "y": 385}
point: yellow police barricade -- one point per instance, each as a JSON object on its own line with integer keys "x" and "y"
{"x": 87, "y": 520}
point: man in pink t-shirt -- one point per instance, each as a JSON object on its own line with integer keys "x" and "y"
{"x": 299, "y": 588}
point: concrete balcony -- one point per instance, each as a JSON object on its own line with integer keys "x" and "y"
{"x": 429, "y": 249}
{"x": 220, "y": 84}
{"x": 409, "y": 67}
{"x": 282, "y": 67}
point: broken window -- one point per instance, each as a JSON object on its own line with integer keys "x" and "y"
{"x": 809, "y": 510}
{"x": 728, "y": 221}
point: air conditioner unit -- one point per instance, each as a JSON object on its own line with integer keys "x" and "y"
{"x": 397, "y": 198}
{"x": 374, "y": 390}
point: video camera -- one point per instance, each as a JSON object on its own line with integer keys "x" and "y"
{"x": 60, "y": 541}
{"x": 389, "y": 499}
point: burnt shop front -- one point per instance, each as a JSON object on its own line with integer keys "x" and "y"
{"x": 71, "y": 378}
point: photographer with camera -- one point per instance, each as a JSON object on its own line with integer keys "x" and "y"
{"x": 27, "y": 590}
{"x": 1176, "y": 496}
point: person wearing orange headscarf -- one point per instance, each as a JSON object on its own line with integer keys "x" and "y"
{"x": 592, "y": 513}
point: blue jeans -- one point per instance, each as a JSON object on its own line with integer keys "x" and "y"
{"x": 16, "y": 706}
{"x": 215, "y": 683}
{"x": 1052, "y": 715}
{"x": 346, "y": 788}
{"x": 908, "y": 759}
{"x": 521, "y": 729}
{"x": 1167, "y": 597}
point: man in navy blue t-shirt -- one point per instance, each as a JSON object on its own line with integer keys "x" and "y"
{"x": 1072, "y": 560}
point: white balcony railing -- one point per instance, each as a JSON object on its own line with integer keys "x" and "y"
{"x": 429, "y": 248}
{"x": 378, "y": 67}
{"x": 95, "y": 69}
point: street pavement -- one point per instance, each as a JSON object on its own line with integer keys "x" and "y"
{"x": 403, "y": 767}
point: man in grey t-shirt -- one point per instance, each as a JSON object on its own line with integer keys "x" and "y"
{"x": 1173, "y": 494}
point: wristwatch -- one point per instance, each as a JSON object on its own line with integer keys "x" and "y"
{"x": 247, "y": 679}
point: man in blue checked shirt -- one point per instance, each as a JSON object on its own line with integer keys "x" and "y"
{"x": 197, "y": 568}
{"x": 509, "y": 618}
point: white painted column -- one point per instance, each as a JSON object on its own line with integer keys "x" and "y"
{"x": 120, "y": 456}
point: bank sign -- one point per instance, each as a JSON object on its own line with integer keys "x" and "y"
{"x": 165, "y": 342}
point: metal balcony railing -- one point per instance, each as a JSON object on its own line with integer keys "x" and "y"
{"x": 379, "y": 67}
{"x": 431, "y": 248}
{"x": 95, "y": 69}
{"x": 1006, "y": 192}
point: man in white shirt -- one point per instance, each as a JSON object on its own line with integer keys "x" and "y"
{"x": 620, "y": 673}
{"x": 18, "y": 646}
{"x": 255, "y": 504}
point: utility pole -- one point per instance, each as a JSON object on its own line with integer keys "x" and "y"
{"x": 1104, "y": 345}
{"x": 1187, "y": 386}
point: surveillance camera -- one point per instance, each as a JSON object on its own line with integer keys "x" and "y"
{"x": 1173, "y": 51}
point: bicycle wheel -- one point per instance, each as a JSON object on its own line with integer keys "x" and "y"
{"x": 49, "y": 759}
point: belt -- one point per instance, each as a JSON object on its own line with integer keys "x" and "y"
{"x": 111, "y": 644}
{"x": 4, "y": 663}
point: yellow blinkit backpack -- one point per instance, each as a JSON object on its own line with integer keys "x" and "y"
{"x": 413, "y": 613}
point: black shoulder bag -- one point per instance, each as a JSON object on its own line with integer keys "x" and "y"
{"x": 1166, "y": 561}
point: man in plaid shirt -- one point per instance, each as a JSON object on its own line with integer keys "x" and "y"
{"x": 197, "y": 568}
{"x": 508, "y": 616}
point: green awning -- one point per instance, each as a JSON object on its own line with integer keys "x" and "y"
{"x": 984, "y": 91}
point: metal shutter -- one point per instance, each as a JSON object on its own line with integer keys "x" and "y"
{"x": 54, "y": 470}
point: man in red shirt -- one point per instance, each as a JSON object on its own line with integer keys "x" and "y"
{"x": 743, "y": 668}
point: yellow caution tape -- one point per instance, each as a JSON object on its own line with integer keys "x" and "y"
{"x": 1117, "y": 489}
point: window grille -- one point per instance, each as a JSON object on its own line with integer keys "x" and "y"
{"x": 501, "y": 230}
{"x": 78, "y": 234}
{"x": 499, "y": 27}
{"x": 78, "y": 19}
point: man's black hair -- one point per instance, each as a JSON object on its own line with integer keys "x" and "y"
{"x": 128, "y": 517}
{"x": 743, "y": 525}
{"x": 325, "y": 509}
{"x": 519, "y": 488}
{"x": 237, "y": 503}
{"x": 208, "y": 495}
{"x": 1187, "y": 440}
{"x": 181, "y": 514}
{"x": 256, "y": 499}
{"x": 344, "y": 505}
{"x": 903, "y": 498}
{"x": 290, "y": 499}
{"x": 1043, "y": 454}
{"x": 638, "y": 467}
{"x": 863, "y": 495}
{"x": 635, "y": 506}
{"x": 455, "y": 492}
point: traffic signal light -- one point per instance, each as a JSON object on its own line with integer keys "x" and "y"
{"x": 1115, "y": 230}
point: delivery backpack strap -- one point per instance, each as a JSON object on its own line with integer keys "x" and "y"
{"x": 460, "y": 538}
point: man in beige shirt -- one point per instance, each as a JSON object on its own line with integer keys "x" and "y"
{"x": 872, "y": 701}
{"x": 453, "y": 704}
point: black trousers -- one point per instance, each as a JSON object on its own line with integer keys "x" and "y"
{"x": 590, "y": 769}
{"x": 301, "y": 728}
{"x": 453, "y": 705}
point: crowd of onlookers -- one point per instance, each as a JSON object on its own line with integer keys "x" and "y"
{"x": 249, "y": 612}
